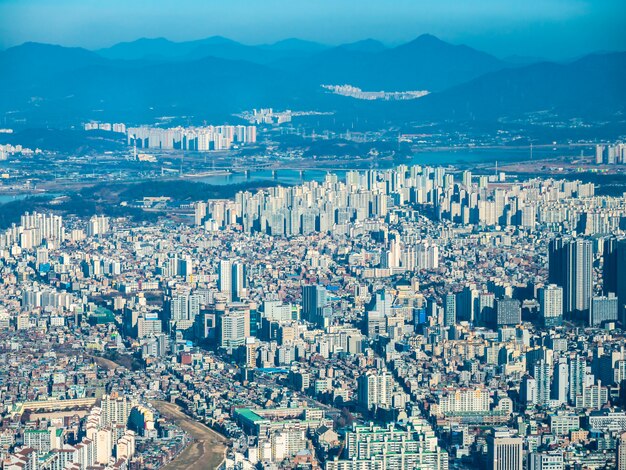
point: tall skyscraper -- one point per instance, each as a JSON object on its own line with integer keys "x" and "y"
{"x": 225, "y": 278}
{"x": 239, "y": 281}
{"x": 504, "y": 451}
{"x": 314, "y": 303}
{"x": 485, "y": 314}
{"x": 571, "y": 267}
{"x": 621, "y": 279}
{"x": 560, "y": 381}
{"x": 609, "y": 266}
{"x": 449, "y": 310}
{"x": 467, "y": 301}
{"x": 232, "y": 329}
{"x": 233, "y": 279}
{"x": 577, "y": 371}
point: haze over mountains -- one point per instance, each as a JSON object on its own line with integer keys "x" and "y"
{"x": 216, "y": 77}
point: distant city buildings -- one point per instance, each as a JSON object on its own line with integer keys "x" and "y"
{"x": 105, "y": 126}
{"x": 200, "y": 139}
{"x": 355, "y": 92}
{"x": 610, "y": 154}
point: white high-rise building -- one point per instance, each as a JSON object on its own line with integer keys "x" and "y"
{"x": 375, "y": 390}
{"x": 233, "y": 329}
{"x": 551, "y": 304}
{"x": 225, "y": 278}
{"x": 98, "y": 225}
{"x": 115, "y": 410}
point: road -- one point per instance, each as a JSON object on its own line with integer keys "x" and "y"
{"x": 208, "y": 449}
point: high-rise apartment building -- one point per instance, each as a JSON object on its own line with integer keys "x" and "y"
{"x": 551, "y": 305}
{"x": 375, "y": 389}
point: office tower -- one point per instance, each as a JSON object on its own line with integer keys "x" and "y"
{"x": 148, "y": 324}
{"x": 609, "y": 266}
{"x": 232, "y": 329}
{"x": 556, "y": 261}
{"x": 577, "y": 372}
{"x": 603, "y": 309}
{"x": 466, "y": 304}
{"x": 500, "y": 201}
{"x": 560, "y": 381}
{"x": 485, "y": 315}
{"x": 621, "y": 452}
{"x": 504, "y": 451}
{"x": 225, "y": 278}
{"x": 375, "y": 389}
{"x": 508, "y": 312}
{"x": 449, "y": 310}
{"x": 239, "y": 281}
{"x": 314, "y": 303}
{"x": 571, "y": 267}
{"x": 551, "y": 304}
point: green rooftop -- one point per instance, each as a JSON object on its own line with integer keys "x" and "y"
{"x": 248, "y": 414}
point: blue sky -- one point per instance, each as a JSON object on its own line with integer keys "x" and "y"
{"x": 546, "y": 28}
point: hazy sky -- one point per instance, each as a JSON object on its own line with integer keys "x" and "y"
{"x": 547, "y": 28}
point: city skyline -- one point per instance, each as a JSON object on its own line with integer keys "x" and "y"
{"x": 264, "y": 240}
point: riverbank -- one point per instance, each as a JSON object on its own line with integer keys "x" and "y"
{"x": 208, "y": 449}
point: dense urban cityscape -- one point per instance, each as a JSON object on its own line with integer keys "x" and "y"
{"x": 331, "y": 235}
{"x": 416, "y": 317}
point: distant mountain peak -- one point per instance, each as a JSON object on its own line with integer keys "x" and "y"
{"x": 295, "y": 43}
{"x": 215, "y": 40}
{"x": 365, "y": 45}
{"x": 426, "y": 41}
{"x": 428, "y": 37}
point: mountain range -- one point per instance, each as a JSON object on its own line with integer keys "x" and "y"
{"x": 213, "y": 78}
